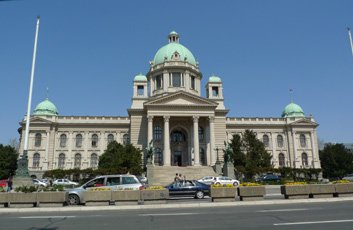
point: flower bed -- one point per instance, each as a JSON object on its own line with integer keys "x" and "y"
{"x": 295, "y": 190}
{"x": 223, "y": 193}
{"x": 251, "y": 191}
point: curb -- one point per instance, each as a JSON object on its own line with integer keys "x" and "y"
{"x": 170, "y": 206}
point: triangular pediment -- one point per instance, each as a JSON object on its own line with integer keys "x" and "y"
{"x": 39, "y": 120}
{"x": 305, "y": 122}
{"x": 180, "y": 98}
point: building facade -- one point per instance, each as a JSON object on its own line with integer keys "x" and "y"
{"x": 167, "y": 110}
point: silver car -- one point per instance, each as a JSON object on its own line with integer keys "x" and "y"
{"x": 114, "y": 182}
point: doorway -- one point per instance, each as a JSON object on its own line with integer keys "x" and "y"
{"x": 177, "y": 158}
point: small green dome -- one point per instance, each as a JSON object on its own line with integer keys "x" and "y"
{"x": 167, "y": 52}
{"x": 214, "y": 78}
{"x": 46, "y": 107}
{"x": 140, "y": 77}
{"x": 293, "y": 110}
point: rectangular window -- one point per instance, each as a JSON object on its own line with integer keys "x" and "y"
{"x": 140, "y": 90}
{"x": 176, "y": 79}
{"x": 159, "y": 82}
{"x": 215, "y": 91}
{"x": 192, "y": 83}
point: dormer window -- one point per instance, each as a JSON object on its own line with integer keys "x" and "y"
{"x": 176, "y": 79}
{"x": 158, "y": 82}
{"x": 215, "y": 92}
{"x": 176, "y": 56}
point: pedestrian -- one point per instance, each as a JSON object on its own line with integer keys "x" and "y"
{"x": 176, "y": 178}
{"x": 9, "y": 184}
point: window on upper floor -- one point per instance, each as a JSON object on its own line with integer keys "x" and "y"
{"x": 201, "y": 133}
{"x": 110, "y": 138}
{"x": 280, "y": 141}
{"x": 77, "y": 163}
{"x": 78, "y": 140}
{"x": 266, "y": 140}
{"x": 157, "y": 133}
{"x": 94, "y": 140}
{"x": 281, "y": 160}
{"x": 302, "y": 140}
{"x": 38, "y": 140}
{"x": 126, "y": 139}
{"x": 36, "y": 160}
{"x": 305, "y": 159}
{"x": 140, "y": 90}
{"x": 158, "y": 82}
{"x": 63, "y": 139}
{"x": 176, "y": 79}
{"x": 215, "y": 92}
{"x": 192, "y": 82}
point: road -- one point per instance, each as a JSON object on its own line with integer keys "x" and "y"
{"x": 323, "y": 216}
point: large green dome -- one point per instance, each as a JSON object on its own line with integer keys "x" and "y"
{"x": 166, "y": 53}
{"x": 46, "y": 107}
{"x": 293, "y": 110}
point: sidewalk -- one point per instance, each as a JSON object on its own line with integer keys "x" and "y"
{"x": 166, "y": 206}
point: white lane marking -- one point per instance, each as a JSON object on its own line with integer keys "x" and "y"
{"x": 285, "y": 210}
{"x": 168, "y": 214}
{"x": 45, "y": 217}
{"x": 315, "y": 222}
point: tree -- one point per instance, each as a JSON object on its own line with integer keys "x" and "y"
{"x": 250, "y": 155}
{"x": 125, "y": 158}
{"x": 336, "y": 161}
{"x": 8, "y": 161}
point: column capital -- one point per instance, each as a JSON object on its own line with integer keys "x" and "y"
{"x": 195, "y": 118}
{"x": 150, "y": 118}
{"x": 166, "y": 118}
{"x": 211, "y": 118}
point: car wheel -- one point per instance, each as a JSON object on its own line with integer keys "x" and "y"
{"x": 217, "y": 183}
{"x": 199, "y": 195}
{"x": 235, "y": 183}
{"x": 74, "y": 199}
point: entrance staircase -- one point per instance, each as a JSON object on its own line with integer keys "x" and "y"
{"x": 164, "y": 175}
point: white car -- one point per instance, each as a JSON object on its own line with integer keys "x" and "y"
{"x": 348, "y": 177}
{"x": 226, "y": 180}
{"x": 65, "y": 182}
{"x": 39, "y": 183}
{"x": 207, "y": 180}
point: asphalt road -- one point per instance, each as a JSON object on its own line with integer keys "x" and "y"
{"x": 323, "y": 216}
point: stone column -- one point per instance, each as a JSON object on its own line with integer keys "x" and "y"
{"x": 196, "y": 141}
{"x": 313, "y": 149}
{"x": 295, "y": 156}
{"x": 212, "y": 139}
{"x": 47, "y": 151}
{"x": 273, "y": 143}
{"x": 150, "y": 129}
{"x": 166, "y": 152}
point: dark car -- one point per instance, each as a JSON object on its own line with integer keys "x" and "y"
{"x": 269, "y": 178}
{"x": 188, "y": 188}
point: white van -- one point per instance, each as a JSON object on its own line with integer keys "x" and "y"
{"x": 114, "y": 182}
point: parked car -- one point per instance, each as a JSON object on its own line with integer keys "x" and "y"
{"x": 223, "y": 180}
{"x": 114, "y": 182}
{"x": 142, "y": 179}
{"x": 64, "y": 182}
{"x": 348, "y": 177}
{"x": 207, "y": 180}
{"x": 269, "y": 178}
{"x": 188, "y": 188}
{"x": 39, "y": 183}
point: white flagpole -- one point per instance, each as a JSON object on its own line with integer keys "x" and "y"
{"x": 25, "y": 149}
{"x": 350, "y": 39}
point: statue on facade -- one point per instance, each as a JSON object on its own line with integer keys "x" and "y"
{"x": 228, "y": 153}
{"x": 150, "y": 152}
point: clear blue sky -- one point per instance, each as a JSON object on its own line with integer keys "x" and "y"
{"x": 89, "y": 52}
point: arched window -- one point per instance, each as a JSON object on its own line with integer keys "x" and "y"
{"x": 63, "y": 140}
{"x": 157, "y": 133}
{"x": 38, "y": 140}
{"x": 266, "y": 140}
{"x": 305, "y": 159}
{"x": 36, "y": 160}
{"x": 126, "y": 139}
{"x": 77, "y": 163}
{"x": 94, "y": 140}
{"x": 280, "y": 141}
{"x": 202, "y": 156}
{"x": 110, "y": 138}
{"x": 61, "y": 164}
{"x": 201, "y": 133}
{"x": 78, "y": 140}
{"x": 302, "y": 140}
{"x": 158, "y": 158}
{"x": 281, "y": 160}
{"x": 94, "y": 160}
{"x": 178, "y": 136}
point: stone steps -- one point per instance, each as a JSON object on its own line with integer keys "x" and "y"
{"x": 164, "y": 175}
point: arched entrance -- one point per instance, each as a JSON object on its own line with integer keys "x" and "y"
{"x": 179, "y": 148}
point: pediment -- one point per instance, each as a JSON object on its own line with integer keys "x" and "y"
{"x": 180, "y": 99}
{"x": 304, "y": 122}
{"x": 39, "y": 120}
